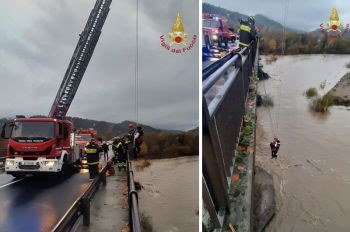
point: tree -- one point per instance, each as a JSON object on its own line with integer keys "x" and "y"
{"x": 272, "y": 45}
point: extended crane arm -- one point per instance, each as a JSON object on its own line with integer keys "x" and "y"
{"x": 80, "y": 59}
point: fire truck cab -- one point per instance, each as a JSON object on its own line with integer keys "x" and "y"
{"x": 39, "y": 145}
{"x": 216, "y": 30}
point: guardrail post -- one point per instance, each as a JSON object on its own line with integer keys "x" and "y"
{"x": 86, "y": 211}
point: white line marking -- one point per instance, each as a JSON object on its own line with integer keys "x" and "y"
{"x": 2, "y": 186}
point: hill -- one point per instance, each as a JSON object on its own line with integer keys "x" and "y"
{"x": 234, "y": 17}
{"x": 157, "y": 143}
{"x": 106, "y": 130}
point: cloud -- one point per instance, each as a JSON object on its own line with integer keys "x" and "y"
{"x": 303, "y": 15}
{"x": 38, "y": 40}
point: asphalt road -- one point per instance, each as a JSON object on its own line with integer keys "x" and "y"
{"x": 37, "y": 203}
{"x": 215, "y": 54}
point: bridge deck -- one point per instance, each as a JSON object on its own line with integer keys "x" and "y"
{"x": 38, "y": 203}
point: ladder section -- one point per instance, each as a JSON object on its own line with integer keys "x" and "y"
{"x": 80, "y": 59}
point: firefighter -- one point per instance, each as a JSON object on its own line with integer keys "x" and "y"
{"x": 275, "y": 146}
{"x": 114, "y": 148}
{"x": 130, "y": 139}
{"x": 247, "y": 32}
{"x": 126, "y": 142}
{"x": 138, "y": 140}
{"x": 131, "y": 132}
{"x": 105, "y": 150}
{"x": 92, "y": 154}
{"x": 251, "y": 21}
{"x": 119, "y": 152}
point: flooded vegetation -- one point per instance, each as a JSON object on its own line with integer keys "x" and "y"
{"x": 319, "y": 102}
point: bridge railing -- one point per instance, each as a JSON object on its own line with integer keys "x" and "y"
{"x": 134, "y": 218}
{"x": 224, "y": 95}
{"x": 81, "y": 207}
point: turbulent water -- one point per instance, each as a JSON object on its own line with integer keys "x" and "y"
{"x": 312, "y": 173}
{"x": 170, "y": 193}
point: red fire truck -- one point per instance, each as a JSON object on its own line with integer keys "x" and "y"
{"x": 38, "y": 145}
{"x": 216, "y": 30}
{"x": 82, "y": 138}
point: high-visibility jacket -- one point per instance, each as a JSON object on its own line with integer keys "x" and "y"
{"x": 118, "y": 146}
{"x": 92, "y": 153}
{"x": 131, "y": 134}
{"x": 247, "y": 34}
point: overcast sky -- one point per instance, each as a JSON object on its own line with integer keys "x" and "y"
{"x": 303, "y": 15}
{"x": 38, "y": 38}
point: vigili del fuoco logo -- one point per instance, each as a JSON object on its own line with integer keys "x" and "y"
{"x": 334, "y": 28}
{"x": 177, "y": 40}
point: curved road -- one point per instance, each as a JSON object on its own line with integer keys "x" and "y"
{"x": 37, "y": 203}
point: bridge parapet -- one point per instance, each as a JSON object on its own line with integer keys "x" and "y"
{"x": 224, "y": 95}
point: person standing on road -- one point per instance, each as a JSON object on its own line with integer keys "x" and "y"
{"x": 247, "y": 32}
{"x": 118, "y": 147}
{"x": 105, "y": 150}
{"x": 254, "y": 35}
{"x": 92, "y": 154}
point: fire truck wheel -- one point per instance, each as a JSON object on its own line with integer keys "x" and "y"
{"x": 65, "y": 168}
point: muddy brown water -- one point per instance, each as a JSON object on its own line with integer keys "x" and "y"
{"x": 312, "y": 174}
{"x": 170, "y": 193}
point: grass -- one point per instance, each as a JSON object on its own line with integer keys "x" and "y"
{"x": 321, "y": 104}
{"x": 247, "y": 130}
{"x": 311, "y": 92}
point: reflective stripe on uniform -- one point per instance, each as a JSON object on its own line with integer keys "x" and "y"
{"x": 93, "y": 163}
{"x": 91, "y": 150}
{"x": 245, "y": 28}
{"x": 244, "y": 44}
{"x": 118, "y": 144}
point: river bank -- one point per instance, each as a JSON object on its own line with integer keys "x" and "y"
{"x": 340, "y": 93}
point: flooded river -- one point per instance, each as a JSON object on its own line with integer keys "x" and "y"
{"x": 170, "y": 193}
{"x": 312, "y": 173}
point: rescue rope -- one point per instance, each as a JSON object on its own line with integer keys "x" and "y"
{"x": 274, "y": 121}
{"x": 137, "y": 64}
{"x": 279, "y": 93}
{"x": 270, "y": 115}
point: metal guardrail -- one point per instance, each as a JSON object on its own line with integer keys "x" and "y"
{"x": 81, "y": 207}
{"x": 134, "y": 218}
{"x": 206, "y": 72}
{"x": 224, "y": 95}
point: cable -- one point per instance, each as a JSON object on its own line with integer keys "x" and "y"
{"x": 279, "y": 93}
{"x": 270, "y": 115}
{"x": 137, "y": 64}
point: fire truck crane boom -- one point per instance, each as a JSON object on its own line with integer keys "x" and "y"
{"x": 80, "y": 59}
